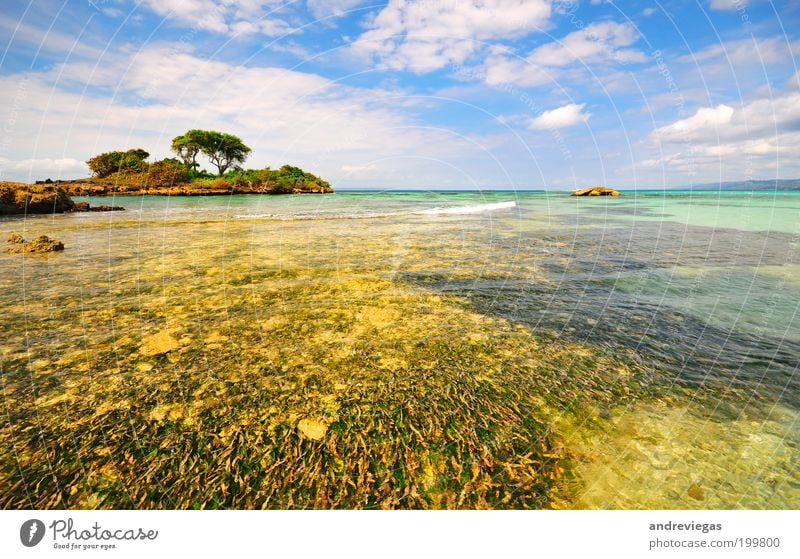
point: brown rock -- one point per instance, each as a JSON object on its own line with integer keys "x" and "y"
{"x": 596, "y": 191}
{"x": 40, "y": 244}
{"x": 696, "y": 492}
{"x": 19, "y": 198}
{"x": 158, "y": 344}
{"x": 312, "y": 429}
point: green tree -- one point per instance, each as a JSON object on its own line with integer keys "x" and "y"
{"x": 224, "y": 150}
{"x": 110, "y": 162}
{"x": 188, "y": 145}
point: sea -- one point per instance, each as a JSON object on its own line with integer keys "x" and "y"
{"x": 697, "y": 290}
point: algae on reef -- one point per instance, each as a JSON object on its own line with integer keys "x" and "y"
{"x": 40, "y": 244}
{"x": 324, "y": 369}
{"x": 283, "y": 383}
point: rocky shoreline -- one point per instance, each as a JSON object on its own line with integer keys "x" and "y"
{"x": 55, "y": 197}
{"x": 96, "y": 188}
{"x": 18, "y": 198}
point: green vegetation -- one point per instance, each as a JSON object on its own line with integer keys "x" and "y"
{"x": 223, "y": 150}
{"x": 252, "y": 364}
{"x": 187, "y": 146}
{"x": 285, "y": 180}
{"x": 111, "y": 162}
{"x": 241, "y": 376}
{"x": 128, "y": 171}
{"x": 166, "y": 172}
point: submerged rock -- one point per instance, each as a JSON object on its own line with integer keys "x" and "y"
{"x": 85, "y": 207}
{"x": 312, "y": 429}
{"x": 696, "y": 492}
{"x": 158, "y": 344}
{"x": 596, "y": 191}
{"x": 40, "y": 244}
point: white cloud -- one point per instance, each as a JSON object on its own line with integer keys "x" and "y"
{"x": 285, "y": 116}
{"x": 758, "y": 138}
{"x": 501, "y": 69}
{"x": 596, "y": 44}
{"x": 728, "y": 4}
{"x": 672, "y": 160}
{"x": 568, "y": 115}
{"x": 292, "y": 48}
{"x": 358, "y": 169}
{"x": 43, "y": 167}
{"x": 794, "y": 81}
{"x": 112, "y": 12}
{"x": 705, "y": 120}
{"x": 425, "y": 35}
{"x": 49, "y": 40}
{"x": 231, "y": 17}
{"x": 326, "y": 8}
{"x": 762, "y": 117}
{"x": 753, "y": 50}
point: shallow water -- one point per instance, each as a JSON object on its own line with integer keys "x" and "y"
{"x": 570, "y": 352}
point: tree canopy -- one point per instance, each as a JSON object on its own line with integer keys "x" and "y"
{"x": 112, "y": 161}
{"x": 129, "y": 172}
{"x": 187, "y": 146}
{"x": 222, "y": 149}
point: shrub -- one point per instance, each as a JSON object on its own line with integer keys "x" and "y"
{"x": 240, "y": 181}
{"x": 167, "y": 172}
{"x": 111, "y": 162}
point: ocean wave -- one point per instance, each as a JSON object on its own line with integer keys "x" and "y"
{"x": 289, "y": 217}
{"x": 457, "y": 210}
{"x": 473, "y": 209}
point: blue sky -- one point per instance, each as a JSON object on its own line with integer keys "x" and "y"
{"x": 485, "y": 94}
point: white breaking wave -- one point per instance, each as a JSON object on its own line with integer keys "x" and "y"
{"x": 458, "y": 210}
{"x": 290, "y": 217}
{"x": 474, "y": 209}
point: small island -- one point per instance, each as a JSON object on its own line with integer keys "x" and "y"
{"x": 596, "y": 191}
{"x": 129, "y": 173}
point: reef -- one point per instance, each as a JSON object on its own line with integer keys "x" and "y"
{"x": 41, "y": 244}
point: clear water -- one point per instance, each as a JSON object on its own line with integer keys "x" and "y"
{"x": 699, "y": 289}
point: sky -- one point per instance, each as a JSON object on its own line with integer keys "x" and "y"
{"x": 431, "y": 94}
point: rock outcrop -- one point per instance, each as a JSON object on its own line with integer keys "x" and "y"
{"x": 96, "y": 187}
{"x": 38, "y": 245}
{"x": 19, "y": 198}
{"x": 86, "y": 207}
{"x": 596, "y": 191}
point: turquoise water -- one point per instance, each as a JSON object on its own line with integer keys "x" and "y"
{"x": 705, "y": 283}
{"x": 700, "y": 289}
{"x": 748, "y": 211}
